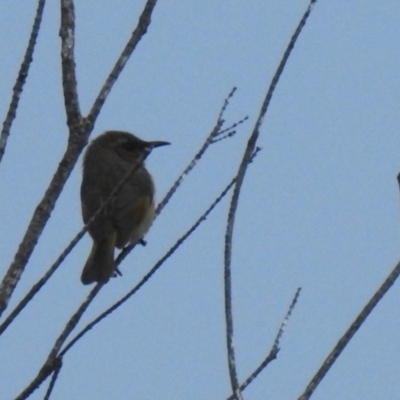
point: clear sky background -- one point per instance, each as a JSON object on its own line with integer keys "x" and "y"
{"x": 319, "y": 207}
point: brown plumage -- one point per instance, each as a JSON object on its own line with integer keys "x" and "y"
{"x": 130, "y": 214}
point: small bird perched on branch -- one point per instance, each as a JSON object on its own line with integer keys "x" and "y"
{"x": 128, "y": 215}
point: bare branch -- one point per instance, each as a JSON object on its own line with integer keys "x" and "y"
{"x": 67, "y": 34}
{"x": 22, "y": 75}
{"x": 286, "y": 319}
{"x": 137, "y": 34}
{"x": 75, "y": 145}
{"x": 230, "y": 131}
{"x": 251, "y": 145}
{"x": 55, "y": 357}
{"x": 275, "y": 348}
{"x": 210, "y": 139}
{"x": 351, "y": 331}
{"x": 79, "y": 132}
{"x": 37, "y": 224}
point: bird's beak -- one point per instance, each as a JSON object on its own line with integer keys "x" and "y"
{"x": 156, "y": 143}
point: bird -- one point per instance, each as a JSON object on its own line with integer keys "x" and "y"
{"x": 128, "y": 216}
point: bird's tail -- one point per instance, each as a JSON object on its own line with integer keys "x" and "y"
{"x": 99, "y": 266}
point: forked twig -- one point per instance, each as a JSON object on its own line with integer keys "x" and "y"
{"x": 275, "y": 347}
{"x": 210, "y": 139}
{"x": 251, "y": 145}
{"x": 206, "y": 144}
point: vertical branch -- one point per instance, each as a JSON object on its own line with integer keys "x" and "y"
{"x": 67, "y": 34}
{"x": 247, "y": 157}
{"x": 275, "y": 348}
{"x": 75, "y": 145}
{"x": 22, "y": 74}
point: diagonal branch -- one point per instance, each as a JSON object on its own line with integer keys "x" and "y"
{"x": 53, "y": 381}
{"x": 22, "y": 75}
{"x": 215, "y": 132}
{"x": 351, "y": 331}
{"x": 53, "y": 362}
{"x": 37, "y": 224}
{"x": 137, "y": 34}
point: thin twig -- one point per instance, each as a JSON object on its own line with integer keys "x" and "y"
{"x": 152, "y": 271}
{"x": 210, "y": 139}
{"x": 286, "y": 319}
{"x": 275, "y": 348}
{"x": 22, "y": 75}
{"x": 206, "y": 144}
{"x": 230, "y": 131}
{"x": 251, "y": 145}
{"x": 137, "y": 34}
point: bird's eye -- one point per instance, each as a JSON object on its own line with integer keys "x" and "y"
{"x": 128, "y": 146}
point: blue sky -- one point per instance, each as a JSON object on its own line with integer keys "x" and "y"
{"x": 319, "y": 207}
